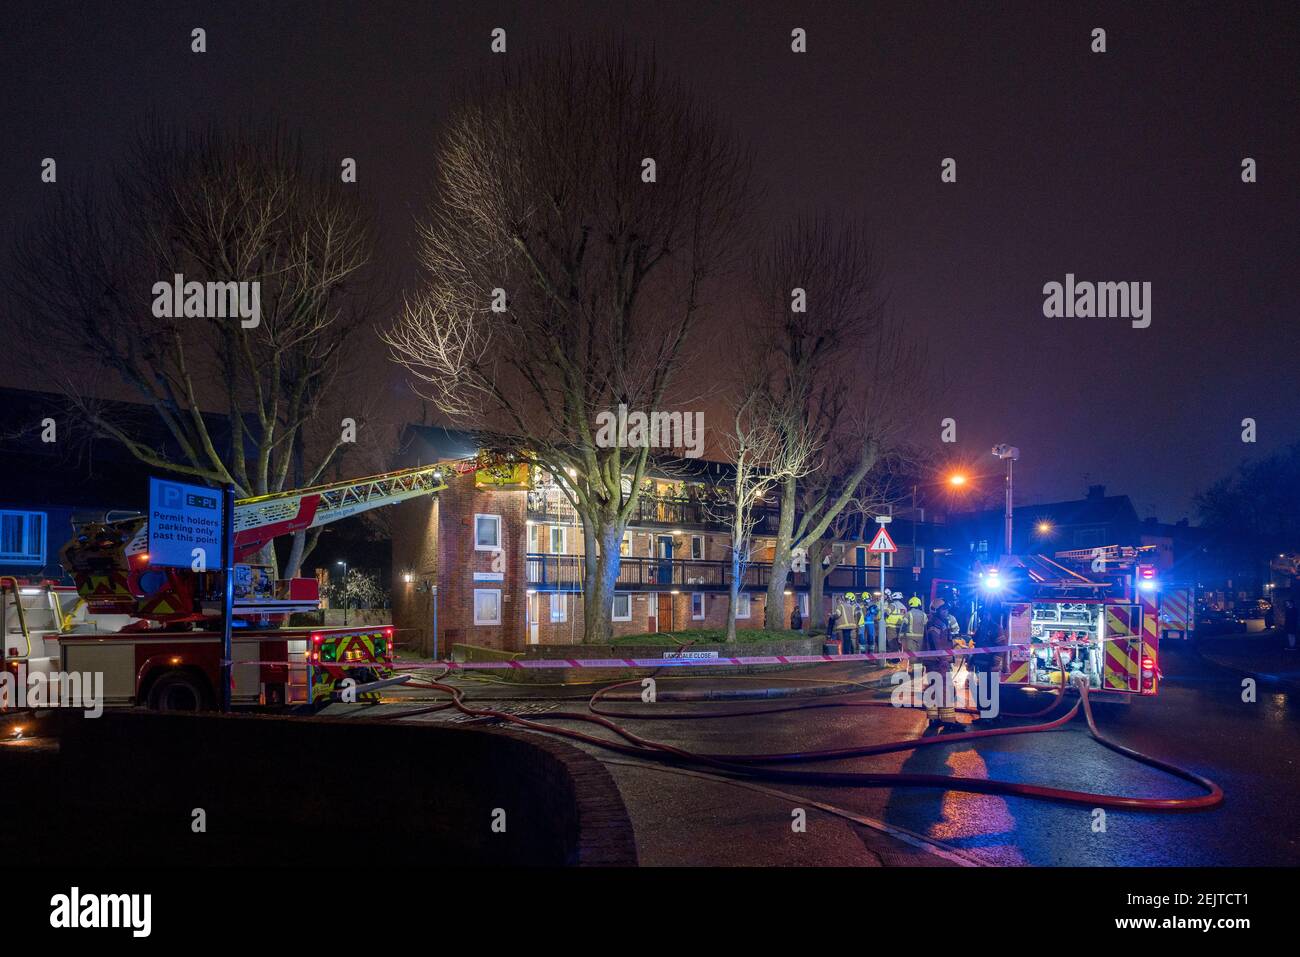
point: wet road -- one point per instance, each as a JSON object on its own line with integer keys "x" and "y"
{"x": 1198, "y": 721}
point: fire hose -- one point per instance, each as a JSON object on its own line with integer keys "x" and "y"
{"x": 754, "y": 765}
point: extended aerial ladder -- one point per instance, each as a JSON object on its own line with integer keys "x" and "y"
{"x": 109, "y": 560}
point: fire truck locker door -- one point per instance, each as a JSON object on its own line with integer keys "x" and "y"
{"x": 115, "y": 660}
{"x": 1122, "y": 653}
{"x": 1019, "y": 633}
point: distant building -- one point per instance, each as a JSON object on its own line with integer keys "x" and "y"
{"x": 45, "y": 485}
{"x": 1095, "y": 520}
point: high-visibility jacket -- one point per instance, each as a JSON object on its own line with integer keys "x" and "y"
{"x": 845, "y": 614}
{"x": 915, "y": 623}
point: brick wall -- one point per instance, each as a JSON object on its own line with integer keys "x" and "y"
{"x": 433, "y": 544}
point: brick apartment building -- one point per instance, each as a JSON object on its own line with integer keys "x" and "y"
{"x": 501, "y": 566}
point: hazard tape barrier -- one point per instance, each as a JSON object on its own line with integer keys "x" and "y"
{"x": 669, "y": 662}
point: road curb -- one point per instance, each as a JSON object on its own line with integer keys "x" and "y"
{"x": 761, "y": 694}
{"x": 1265, "y": 677}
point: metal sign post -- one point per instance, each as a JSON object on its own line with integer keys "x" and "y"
{"x": 881, "y": 545}
{"x": 228, "y": 596}
{"x": 193, "y": 526}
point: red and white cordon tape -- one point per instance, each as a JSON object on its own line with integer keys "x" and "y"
{"x": 675, "y": 659}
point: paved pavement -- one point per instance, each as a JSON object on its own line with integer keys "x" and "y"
{"x": 1199, "y": 721}
{"x": 1264, "y": 656}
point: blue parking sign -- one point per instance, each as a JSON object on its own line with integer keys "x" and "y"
{"x": 184, "y": 525}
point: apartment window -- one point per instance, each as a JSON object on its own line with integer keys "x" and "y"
{"x": 559, "y": 539}
{"x": 625, "y": 544}
{"x": 487, "y": 533}
{"x": 559, "y": 607}
{"x": 697, "y": 546}
{"x": 803, "y": 605}
{"x": 534, "y": 538}
{"x": 487, "y": 606}
{"x": 697, "y": 606}
{"x": 742, "y": 605}
{"x": 22, "y": 538}
{"x": 622, "y": 607}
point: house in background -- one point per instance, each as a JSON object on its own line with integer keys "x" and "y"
{"x": 1095, "y": 520}
{"x": 45, "y": 485}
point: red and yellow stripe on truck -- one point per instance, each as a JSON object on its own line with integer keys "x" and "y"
{"x": 1132, "y": 639}
{"x": 1177, "y": 611}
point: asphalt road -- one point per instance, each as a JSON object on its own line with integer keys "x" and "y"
{"x": 1198, "y": 721}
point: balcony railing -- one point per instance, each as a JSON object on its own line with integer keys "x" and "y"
{"x": 651, "y": 510}
{"x": 636, "y": 573}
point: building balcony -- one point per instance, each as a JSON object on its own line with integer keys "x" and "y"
{"x": 651, "y": 512}
{"x": 565, "y": 573}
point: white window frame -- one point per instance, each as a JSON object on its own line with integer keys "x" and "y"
{"x": 30, "y": 556}
{"x": 559, "y": 611}
{"x": 745, "y": 604}
{"x": 487, "y": 591}
{"x": 626, "y": 596}
{"x": 700, "y": 539}
{"x": 534, "y": 538}
{"x": 802, "y": 598}
{"x": 487, "y": 548}
{"x": 625, "y": 547}
{"x": 564, "y": 540}
{"x": 700, "y": 596}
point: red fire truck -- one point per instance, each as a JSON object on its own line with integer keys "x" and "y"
{"x": 155, "y": 633}
{"x": 1091, "y": 613}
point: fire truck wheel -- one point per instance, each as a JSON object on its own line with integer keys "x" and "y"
{"x": 179, "y": 691}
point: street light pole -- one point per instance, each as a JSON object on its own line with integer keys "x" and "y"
{"x": 916, "y": 576}
{"x": 344, "y": 591}
{"x": 1008, "y": 453}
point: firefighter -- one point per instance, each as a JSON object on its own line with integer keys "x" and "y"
{"x": 847, "y": 622}
{"x": 914, "y": 625}
{"x": 894, "y": 616}
{"x": 871, "y": 611}
{"x": 938, "y": 678}
{"x": 986, "y": 667}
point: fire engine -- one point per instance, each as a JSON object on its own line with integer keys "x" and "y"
{"x": 1092, "y": 613}
{"x": 156, "y": 633}
{"x": 1177, "y": 610}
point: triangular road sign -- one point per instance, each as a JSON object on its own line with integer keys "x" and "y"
{"x": 882, "y": 542}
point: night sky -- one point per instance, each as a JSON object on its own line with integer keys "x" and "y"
{"x": 1116, "y": 167}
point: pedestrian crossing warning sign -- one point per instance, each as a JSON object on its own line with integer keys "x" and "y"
{"x": 882, "y": 542}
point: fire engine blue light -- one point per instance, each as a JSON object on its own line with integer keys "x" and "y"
{"x": 1147, "y": 585}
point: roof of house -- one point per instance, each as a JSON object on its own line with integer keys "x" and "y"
{"x": 79, "y": 469}
{"x": 424, "y": 444}
{"x": 1096, "y": 508}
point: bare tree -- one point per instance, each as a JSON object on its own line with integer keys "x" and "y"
{"x": 583, "y": 203}
{"x": 838, "y": 375}
{"x": 877, "y": 493}
{"x": 214, "y": 208}
{"x": 760, "y": 460}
